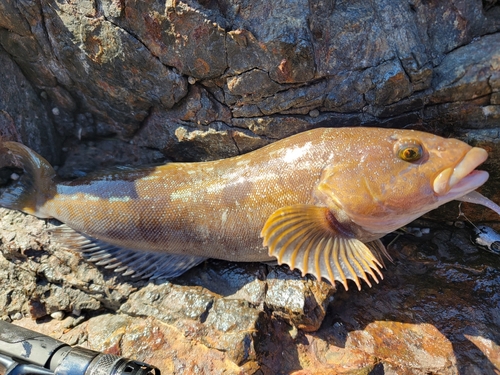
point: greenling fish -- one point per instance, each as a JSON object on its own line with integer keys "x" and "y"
{"x": 318, "y": 201}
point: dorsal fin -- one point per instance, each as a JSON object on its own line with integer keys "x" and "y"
{"x": 302, "y": 237}
{"x": 128, "y": 262}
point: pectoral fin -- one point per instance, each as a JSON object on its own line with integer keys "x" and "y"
{"x": 302, "y": 237}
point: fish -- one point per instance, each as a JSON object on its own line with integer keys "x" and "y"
{"x": 318, "y": 201}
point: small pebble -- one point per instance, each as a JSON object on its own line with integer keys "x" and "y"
{"x": 14, "y": 176}
{"x": 314, "y": 113}
{"x": 58, "y": 315}
{"x": 17, "y": 316}
{"x": 55, "y": 111}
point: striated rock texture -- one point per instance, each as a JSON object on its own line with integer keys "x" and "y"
{"x": 96, "y": 83}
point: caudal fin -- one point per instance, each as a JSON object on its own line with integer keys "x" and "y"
{"x": 36, "y": 184}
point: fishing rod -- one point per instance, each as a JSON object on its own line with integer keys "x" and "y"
{"x": 26, "y": 352}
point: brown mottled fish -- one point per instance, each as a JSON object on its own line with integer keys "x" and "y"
{"x": 318, "y": 201}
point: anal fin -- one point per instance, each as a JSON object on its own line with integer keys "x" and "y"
{"x": 303, "y": 237}
{"x": 137, "y": 264}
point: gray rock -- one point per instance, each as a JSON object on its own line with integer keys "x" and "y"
{"x": 302, "y": 303}
{"x": 22, "y": 114}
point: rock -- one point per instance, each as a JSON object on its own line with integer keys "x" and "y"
{"x": 465, "y": 74}
{"x": 231, "y": 327}
{"x": 22, "y": 114}
{"x": 86, "y": 157}
{"x": 391, "y": 84}
{"x": 302, "y": 303}
{"x": 169, "y": 303}
{"x": 76, "y": 47}
{"x": 253, "y": 83}
{"x": 178, "y": 33}
{"x": 81, "y": 71}
{"x": 239, "y": 281}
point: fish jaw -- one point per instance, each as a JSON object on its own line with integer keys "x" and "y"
{"x": 463, "y": 178}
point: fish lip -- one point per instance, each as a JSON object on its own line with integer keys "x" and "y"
{"x": 469, "y": 183}
{"x": 463, "y": 177}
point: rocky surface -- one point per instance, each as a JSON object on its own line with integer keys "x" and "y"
{"x": 436, "y": 311}
{"x": 203, "y": 80}
{"x": 96, "y": 83}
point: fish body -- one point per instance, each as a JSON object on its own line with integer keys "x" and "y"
{"x": 318, "y": 201}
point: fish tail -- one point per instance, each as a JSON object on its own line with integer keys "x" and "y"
{"x": 30, "y": 191}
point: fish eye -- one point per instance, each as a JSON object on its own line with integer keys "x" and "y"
{"x": 410, "y": 152}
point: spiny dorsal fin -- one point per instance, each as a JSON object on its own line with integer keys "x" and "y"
{"x": 302, "y": 237}
{"x": 138, "y": 264}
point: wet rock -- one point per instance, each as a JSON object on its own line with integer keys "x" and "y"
{"x": 391, "y": 84}
{"x": 413, "y": 322}
{"x": 466, "y": 73}
{"x": 116, "y": 69}
{"x": 101, "y": 154}
{"x": 301, "y": 302}
{"x": 251, "y": 84}
{"x": 239, "y": 281}
{"x": 169, "y": 303}
{"x": 231, "y": 327}
{"x": 294, "y": 99}
{"x": 34, "y": 127}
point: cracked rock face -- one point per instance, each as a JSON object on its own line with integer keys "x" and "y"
{"x": 96, "y": 84}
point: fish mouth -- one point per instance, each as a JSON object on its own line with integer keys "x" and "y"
{"x": 464, "y": 177}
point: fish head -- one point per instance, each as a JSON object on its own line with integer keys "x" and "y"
{"x": 391, "y": 177}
